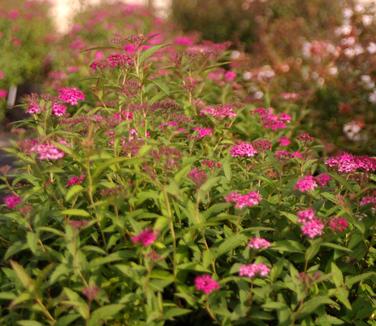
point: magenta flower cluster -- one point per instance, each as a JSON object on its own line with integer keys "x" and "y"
{"x": 253, "y": 198}
{"x": 145, "y": 238}
{"x": 205, "y": 283}
{"x": 47, "y": 152}
{"x": 258, "y": 243}
{"x": 311, "y": 225}
{"x": 71, "y": 95}
{"x": 243, "y": 150}
{"x": 12, "y": 201}
{"x": 272, "y": 121}
{"x": 306, "y": 183}
{"x": 253, "y": 270}
{"x": 219, "y": 111}
{"x": 347, "y": 163}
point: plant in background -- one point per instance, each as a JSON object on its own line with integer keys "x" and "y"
{"x": 160, "y": 194}
{"x": 25, "y": 39}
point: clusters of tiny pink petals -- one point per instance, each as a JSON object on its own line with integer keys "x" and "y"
{"x": 205, "y": 283}
{"x": 12, "y": 201}
{"x": 145, "y": 238}
{"x": 47, "y": 152}
{"x": 284, "y": 141}
{"x": 313, "y": 228}
{"x": 75, "y": 180}
{"x": 197, "y": 176}
{"x": 273, "y": 121}
{"x": 71, "y": 95}
{"x": 258, "y": 243}
{"x": 347, "y": 163}
{"x": 368, "y": 200}
{"x": 338, "y": 224}
{"x": 323, "y": 179}
{"x": 243, "y": 150}
{"x": 285, "y": 155}
{"x": 306, "y": 215}
{"x": 3, "y": 93}
{"x": 253, "y": 198}
{"x": 262, "y": 145}
{"x": 59, "y": 109}
{"x": 253, "y": 270}
{"x": 219, "y": 111}
{"x": 306, "y": 183}
{"x": 203, "y": 132}
{"x": 119, "y": 60}
{"x": 33, "y": 107}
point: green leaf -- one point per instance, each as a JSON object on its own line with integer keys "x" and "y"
{"x": 337, "y": 275}
{"x": 288, "y": 246}
{"x": 76, "y": 189}
{"x": 29, "y": 323}
{"x": 311, "y": 305}
{"x": 77, "y": 302}
{"x": 170, "y": 313}
{"x": 32, "y": 241}
{"x": 24, "y": 278}
{"x": 7, "y": 296}
{"x": 75, "y": 212}
{"x": 230, "y": 244}
{"x": 350, "y": 281}
{"x": 313, "y": 250}
{"x": 149, "y": 52}
{"x": 67, "y": 320}
{"x": 102, "y": 314}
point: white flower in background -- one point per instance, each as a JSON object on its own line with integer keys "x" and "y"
{"x": 359, "y": 8}
{"x": 235, "y": 55}
{"x": 347, "y": 13}
{"x": 348, "y": 41}
{"x": 371, "y": 48}
{"x": 358, "y": 49}
{"x": 333, "y": 71}
{"x": 367, "y": 20}
{"x": 352, "y": 130}
{"x": 367, "y": 81}
{"x": 259, "y": 95}
{"x": 345, "y": 29}
{"x": 247, "y": 75}
{"x": 372, "y": 97}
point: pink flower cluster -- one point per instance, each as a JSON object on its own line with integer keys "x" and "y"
{"x": 368, "y": 200}
{"x": 248, "y": 200}
{"x": 219, "y": 111}
{"x": 323, "y": 179}
{"x": 59, "y": 109}
{"x": 243, "y": 150}
{"x": 12, "y": 201}
{"x": 3, "y": 93}
{"x": 145, "y": 238}
{"x": 347, "y": 163}
{"x": 71, "y": 95}
{"x": 47, "y": 152}
{"x": 75, "y": 180}
{"x": 202, "y": 132}
{"x": 33, "y": 106}
{"x": 253, "y": 270}
{"x": 285, "y": 155}
{"x": 338, "y": 224}
{"x": 205, "y": 283}
{"x": 258, "y": 243}
{"x": 273, "y": 121}
{"x": 306, "y": 183}
{"x": 197, "y": 176}
{"x": 312, "y": 226}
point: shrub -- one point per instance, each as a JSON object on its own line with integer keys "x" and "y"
{"x": 159, "y": 195}
{"x": 25, "y": 33}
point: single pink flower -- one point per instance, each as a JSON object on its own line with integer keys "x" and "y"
{"x": 145, "y": 238}
{"x": 258, "y": 243}
{"x": 313, "y": 228}
{"x": 253, "y": 270}
{"x": 306, "y": 183}
{"x": 248, "y": 200}
{"x": 338, "y": 224}
{"x": 59, "y": 109}
{"x": 243, "y": 150}
{"x": 284, "y": 141}
{"x": 71, "y": 95}
{"x": 75, "y": 180}
{"x": 12, "y": 201}
{"x": 206, "y": 284}
{"x": 3, "y": 93}
{"x": 230, "y": 76}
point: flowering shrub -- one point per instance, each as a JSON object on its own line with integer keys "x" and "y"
{"x": 125, "y": 209}
{"x": 25, "y": 35}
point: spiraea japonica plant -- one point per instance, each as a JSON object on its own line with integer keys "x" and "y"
{"x": 156, "y": 196}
